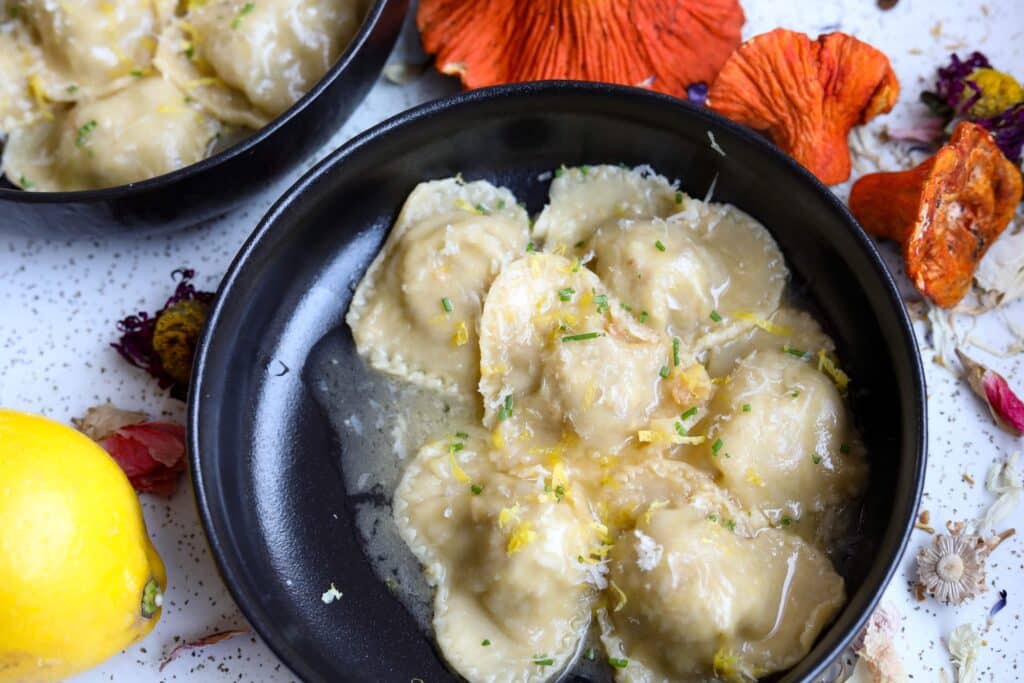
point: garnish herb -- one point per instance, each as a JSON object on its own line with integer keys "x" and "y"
{"x": 643, "y": 316}
{"x": 530, "y": 247}
{"x": 803, "y": 355}
{"x": 501, "y": 204}
{"x": 679, "y": 197}
{"x": 476, "y": 490}
{"x": 680, "y": 429}
{"x": 689, "y": 413}
{"x": 559, "y": 493}
{"x": 461, "y": 435}
{"x": 579, "y": 245}
{"x": 675, "y": 351}
{"x": 190, "y": 52}
{"x": 626, "y": 307}
{"x": 786, "y": 521}
{"x": 715, "y": 316}
{"x": 26, "y": 183}
{"x": 584, "y": 169}
{"x": 560, "y": 171}
{"x": 659, "y": 245}
{"x": 716, "y": 446}
{"x": 816, "y": 459}
{"x": 712, "y": 518}
{"x": 618, "y": 663}
{"x": 664, "y": 372}
{"x": 72, "y": 88}
{"x": 576, "y": 266}
{"x": 582, "y": 337}
{"x": 457, "y": 446}
{"x": 505, "y": 411}
{"x": 730, "y": 524}
{"x": 446, "y": 304}
{"x": 591, "y": 653}
{"x": 83, "y": 133}
{"x": 246, "y": 8}
{"x": 566, "y": 294}
{"x": 547, "y": 661}
{"x": 602, "y": 302}
{"x": 746, "y": 407}
{"x": 485, "y": 643}
{"x": 795, "y": 393}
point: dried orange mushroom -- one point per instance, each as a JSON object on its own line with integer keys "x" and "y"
{"x": 807, "y": 94}
{"x": 664, "y": 44}
{"x": 946, "y": 211}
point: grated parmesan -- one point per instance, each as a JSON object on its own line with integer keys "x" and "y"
{"x": 648, "y": 552}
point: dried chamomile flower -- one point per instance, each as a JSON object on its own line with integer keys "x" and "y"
{"x": 952, "y": 568}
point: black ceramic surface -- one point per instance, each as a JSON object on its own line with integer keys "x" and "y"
{"x": 213, "y": 186}
{"x": 264, "y": 459}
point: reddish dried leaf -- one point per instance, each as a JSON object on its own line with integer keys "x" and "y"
{"x": 806, "y": 94}
{"x": 1005, "y": 406}
{"x": 946, "y": 212}
{"x": 211, "y": 639}
{"x": 666, "y": 45}
{"x": 152, "y": 455}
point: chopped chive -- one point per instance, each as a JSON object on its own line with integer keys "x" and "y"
{"x": 796, "y": 352}
{"x": 679, "y": 197}
{"x": 844, "y": 449}
{"x": 576, "y": 266}
{"x": 246, "y": 8}
{"x": 83, "y": 133}
{"x": 675, "y": 351}
{"x": 582, "y": 337}
{"x": 25, "y": 183}
{"x": 560, "y": 171}
{"x": 712, "y": 518}
{"x": 715, "y": 316}
{"x": 509, "y": 402}
{"x": 461, "y": 435}
{"x": 559, "y": 493}
{"x": 716, "y": 446}
{"x": 482, "y": 210}
{"x": 501, "y": 204}
{"x": 505, "y": 411}
{"x": 626, "y": 307}
{"x": 456, "y": 447}
{"x": 547, "y": 661}
{"x": 664, "y": 372}
{"x": 659, "y": 245}
{"x": 689, "y": 413}
{"x": 530, "y": 247}
{"x": 190, "y": 52}
{"x": 746, "y": 407}
{"x": 591, "y": 653}
{"x": 446, "y": 304}
{"x": 485, "y": 643}
{"x": 618, "y": 663}
{"x": 72, "y": 88}
{"x": 135, "y": 72}
{"x": 786, "y": 521}
{"x": 476, "y": 489}
{"x": 579, "y": 245}
{"x": 643, "y": 316}
{"x": 816, "y": 459}
{"x": 566, "y": 294}
{"x": 584, "y": 169}
{"x": 731, "y": 524}
{"x": 680, "y": 429}
{"x": 795, "y": 393}
{"x": 602, "y": 302}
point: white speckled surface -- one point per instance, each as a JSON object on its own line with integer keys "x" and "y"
{"x": 61, "y": 300}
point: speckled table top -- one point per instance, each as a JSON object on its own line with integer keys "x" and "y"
{"x": 61, "y": 302}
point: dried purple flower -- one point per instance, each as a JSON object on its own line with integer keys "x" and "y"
{"x": 697, "y": 93}
{"x": 998, "y": 607}
{"x": 163, "y": 344}
{"x": 953, "y": 81}
{"x": 1008, "y": 130}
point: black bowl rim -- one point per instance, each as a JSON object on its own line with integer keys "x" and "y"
{"x": 355, "y": 46}
{"x": 466, "y": 101}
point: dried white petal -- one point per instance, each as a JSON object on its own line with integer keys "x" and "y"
{"x": 100, "y": 422}
{"x": 1000, "y": 275}
{"x": 1005, "y": 481}
{"x": 943, "y": 339}
{"x": 965, "y": 647}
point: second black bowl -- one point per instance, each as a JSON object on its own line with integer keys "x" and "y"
{"x": 212, "y": 187}
{"x": 264, "y": 457}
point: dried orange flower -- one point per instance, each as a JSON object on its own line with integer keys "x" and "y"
{"x": 946, "y": 212}
{"x": 666, "y": 45}
{"x": 806, "y": 94}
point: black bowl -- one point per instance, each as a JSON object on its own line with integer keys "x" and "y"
{"x": 265, "y": 460}
{"x": 224, "y": 181}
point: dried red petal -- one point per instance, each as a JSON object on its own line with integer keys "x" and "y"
{"x": 666, "y": 45}
{"x": 946, "y": 211}
{"x": 211, "y": 639}
{"x": 806, "y": 94}
{"x": 1005, "y": 406}
{"x": 152, "y": 455}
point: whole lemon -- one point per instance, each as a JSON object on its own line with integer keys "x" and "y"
{"x": 79, "y": 579}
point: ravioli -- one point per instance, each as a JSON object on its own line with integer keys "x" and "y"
{"x": 704, "y": 272}
{"x": 697, "y": 601}
{"x": 782, "y": 439}
{"x": 584, "y": 198}
{"x": 248, "y": 62}
{"x": 142, "y": 131}
{"x": 22, "y": 100}
{"x": 502, "y": 562}
{"x": 415, "y": 312}
{"x": 787, "y": 328}
{"x": 92, "y": 47}
{"x": 557, "y": 352}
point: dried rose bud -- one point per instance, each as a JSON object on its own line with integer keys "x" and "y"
{"x": 164, "y": 344}
{"x": 152, "y": 454}
{"x": 1005, "y": 406}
